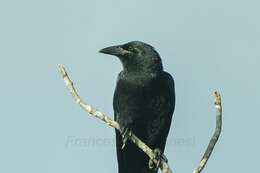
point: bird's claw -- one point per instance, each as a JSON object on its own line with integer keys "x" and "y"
{"x": 156, "y": 161}
{"x": 126, "y": 133}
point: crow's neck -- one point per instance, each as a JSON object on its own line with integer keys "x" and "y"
{"x": 151, "y": 69}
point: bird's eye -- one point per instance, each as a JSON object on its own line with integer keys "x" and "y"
{"x": 130, "y": 48}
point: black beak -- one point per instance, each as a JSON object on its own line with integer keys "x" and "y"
{"x": 115, "y": 50}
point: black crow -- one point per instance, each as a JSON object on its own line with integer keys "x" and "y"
{"x": 144, "y": 102}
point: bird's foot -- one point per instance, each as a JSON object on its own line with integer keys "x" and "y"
{"x": 156, "y": 161}
{"x": 126, "y": 134}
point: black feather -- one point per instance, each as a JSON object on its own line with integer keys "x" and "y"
{"x": 144, "y": 102}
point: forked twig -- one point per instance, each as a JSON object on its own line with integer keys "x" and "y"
{"x": 164, "y": 166}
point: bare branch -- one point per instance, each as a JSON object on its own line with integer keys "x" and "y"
{"x": 214, "y": 139}
{"x": 94, "y": 112}
{"x": 164, "y": 166}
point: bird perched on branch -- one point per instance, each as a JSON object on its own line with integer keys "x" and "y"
{"x": 144, "y": 102}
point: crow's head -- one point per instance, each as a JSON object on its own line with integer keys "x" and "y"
{"x": 136, "y": 56}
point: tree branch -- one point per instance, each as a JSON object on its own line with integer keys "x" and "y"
{"x": 215, "y": 136}
{"x": 164, "y": 166}
{"x": 93, "y": 111}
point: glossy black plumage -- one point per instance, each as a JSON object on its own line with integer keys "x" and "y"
{"x": 144, "y": 101}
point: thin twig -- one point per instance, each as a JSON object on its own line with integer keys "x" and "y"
{"x": 93, "y": 111}
{"x": 215, "y": 136}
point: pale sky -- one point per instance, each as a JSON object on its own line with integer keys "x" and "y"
{"x": 205, "y": 45}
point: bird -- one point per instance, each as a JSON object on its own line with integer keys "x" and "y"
{"x": 143, "y": 103}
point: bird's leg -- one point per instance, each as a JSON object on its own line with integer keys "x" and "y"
{"x": 126, "y": 133}
{"x": 155, "y": 162}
